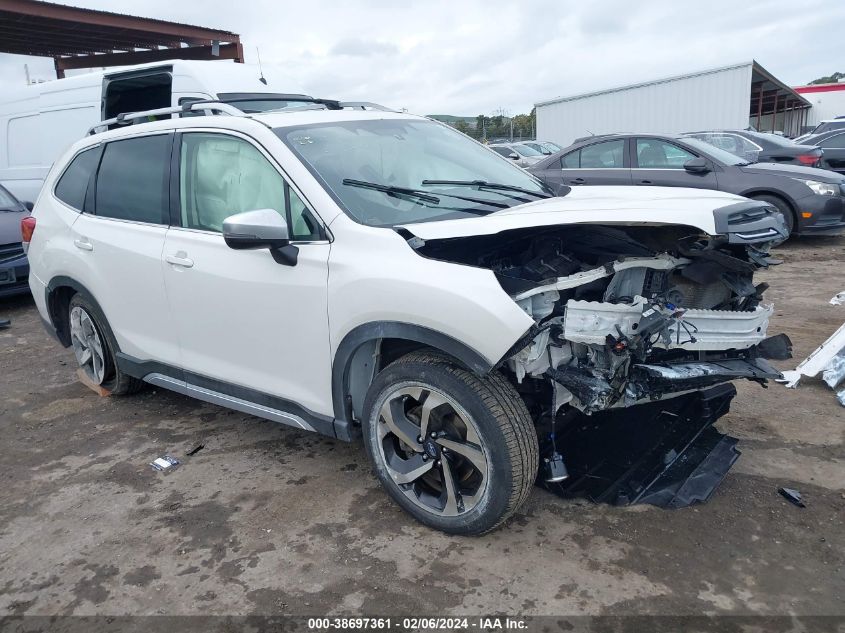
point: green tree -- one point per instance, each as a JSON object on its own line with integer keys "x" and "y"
{"x": 830, "y": 79}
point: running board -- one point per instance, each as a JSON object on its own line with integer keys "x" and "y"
{"x": 664, "y": 453}
{"x": 224, "y": 400}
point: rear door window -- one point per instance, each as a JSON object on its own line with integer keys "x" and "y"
{"x": 606, "y": 155}
{"x": 834, "y": 142}
{"x": 73, "y": 184}
{"x": 133, "y": 180}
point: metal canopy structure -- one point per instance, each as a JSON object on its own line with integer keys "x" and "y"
{"x": 84, "y": 38}
{"x": 781, "y": 106}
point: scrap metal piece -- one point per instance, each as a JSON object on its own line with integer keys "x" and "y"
{"x": 834, "y": 373}
{"x": 165, "y": 463}
{"x": 793, "y": 496}
{"x": 818, "y": 360}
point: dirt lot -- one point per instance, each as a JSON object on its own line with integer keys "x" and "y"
{"x": 270, "y": 520}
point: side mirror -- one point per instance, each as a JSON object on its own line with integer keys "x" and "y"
{"x": 28, "y": 205}
{"x": 696, "y": 166}
{"x": 513, "y": 156}
{"x": 263, "y": 228}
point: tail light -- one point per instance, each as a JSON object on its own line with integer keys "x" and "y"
{"x": 27, "y": 229}
{"x": 810, "y": 160}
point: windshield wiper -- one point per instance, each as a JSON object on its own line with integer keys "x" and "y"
{"x": 420, "y": 195}
{"x": 390, "y": 190}
{"x": 483, "y": 184}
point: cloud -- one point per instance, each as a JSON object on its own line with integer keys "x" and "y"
{"x": 475, "y": 56}
{"x": 361, "y": 48}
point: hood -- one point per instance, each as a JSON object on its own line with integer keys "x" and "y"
{"x": 592, "y": 205}
{"x": 793, "y": 171}
{"x": 10, "y": 225}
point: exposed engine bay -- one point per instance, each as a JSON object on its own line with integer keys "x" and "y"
{"x": 626, "y": 314}
{"x": 638, "y": 331}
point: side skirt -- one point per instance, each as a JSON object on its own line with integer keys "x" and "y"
{"x": 232, "y": 396}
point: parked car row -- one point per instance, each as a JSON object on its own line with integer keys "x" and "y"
{"x": 811, "y": 200}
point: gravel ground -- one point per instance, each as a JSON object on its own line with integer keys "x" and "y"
{"x": 270, "y": 520}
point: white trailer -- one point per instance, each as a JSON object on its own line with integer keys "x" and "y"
{"x": 37, "y": 122}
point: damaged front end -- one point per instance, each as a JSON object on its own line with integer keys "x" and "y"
{"x": 627, "y": 317}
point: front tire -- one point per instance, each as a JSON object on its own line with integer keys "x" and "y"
{"x": 783, "y": 207}
{"x": 93, "y": 345}
{"x": 457, "y": 452}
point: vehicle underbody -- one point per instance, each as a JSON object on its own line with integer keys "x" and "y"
{"x": 637, "y": 329}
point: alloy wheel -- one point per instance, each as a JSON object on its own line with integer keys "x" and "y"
{"x": 431, "y": 449}
{"x": 87, "y": 345}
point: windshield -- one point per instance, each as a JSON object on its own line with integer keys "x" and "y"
{"x": 536, "y": 146}
{"x": 524, "y": 150}
{"x": 714, "y": 152}
{"x": 394, "y": 154}
{"x": 7, "y": 201}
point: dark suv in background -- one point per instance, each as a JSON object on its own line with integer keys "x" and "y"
{"x": 811, "y": 200}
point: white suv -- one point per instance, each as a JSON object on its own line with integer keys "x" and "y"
{"x": 370, "y": 273}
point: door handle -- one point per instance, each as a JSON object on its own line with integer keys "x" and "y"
{"x": 179, "y": 259}
{"x": 83, "y": 244}
{"x": 644, "y": 182}
{"x": 577, "y": 181}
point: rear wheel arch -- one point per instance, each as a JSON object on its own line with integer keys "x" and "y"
{"x": 60, "y": 291}
{"x": 370, "y": 347}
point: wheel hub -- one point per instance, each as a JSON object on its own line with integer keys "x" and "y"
{"x": 431, "y": 449}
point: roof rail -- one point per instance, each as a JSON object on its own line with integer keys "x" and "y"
{"x": 209, "y": 107}
{"x": 365, "y": 105}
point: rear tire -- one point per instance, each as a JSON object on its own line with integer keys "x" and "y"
{"x": 783, "y": 207}
{"x": 457, "y": 452}
{"x": 93, "y": 345}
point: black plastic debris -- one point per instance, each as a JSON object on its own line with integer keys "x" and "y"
{"x": 793, "y": 496}
{"x": 4, "y": 323}
{"x": 665, "y": 453}
{"x": 196, "y": 449}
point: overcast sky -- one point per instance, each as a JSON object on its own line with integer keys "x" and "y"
{"x": 465, "y": 57}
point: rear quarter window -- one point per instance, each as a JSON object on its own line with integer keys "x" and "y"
{"x": 73, "y": 184}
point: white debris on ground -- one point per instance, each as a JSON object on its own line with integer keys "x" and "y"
{"x": 834, "y": 373}
{"x": 818, "y": 360}
{"x": 828, "y": 358}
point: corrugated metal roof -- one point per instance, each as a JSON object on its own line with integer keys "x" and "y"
{"x": 644, "y": 84}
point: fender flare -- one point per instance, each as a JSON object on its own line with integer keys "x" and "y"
{"x": 375, "y": 330}
{"x": 62, "y": 281}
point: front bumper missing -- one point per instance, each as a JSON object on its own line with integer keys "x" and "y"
{"x": 664, "y": 453}
{"x": 592, "y": 322}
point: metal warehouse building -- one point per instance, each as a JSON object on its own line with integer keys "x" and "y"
{"x": 720, "y": 98}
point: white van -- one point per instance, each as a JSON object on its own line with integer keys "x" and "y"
{"x": 38, "y": 121}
